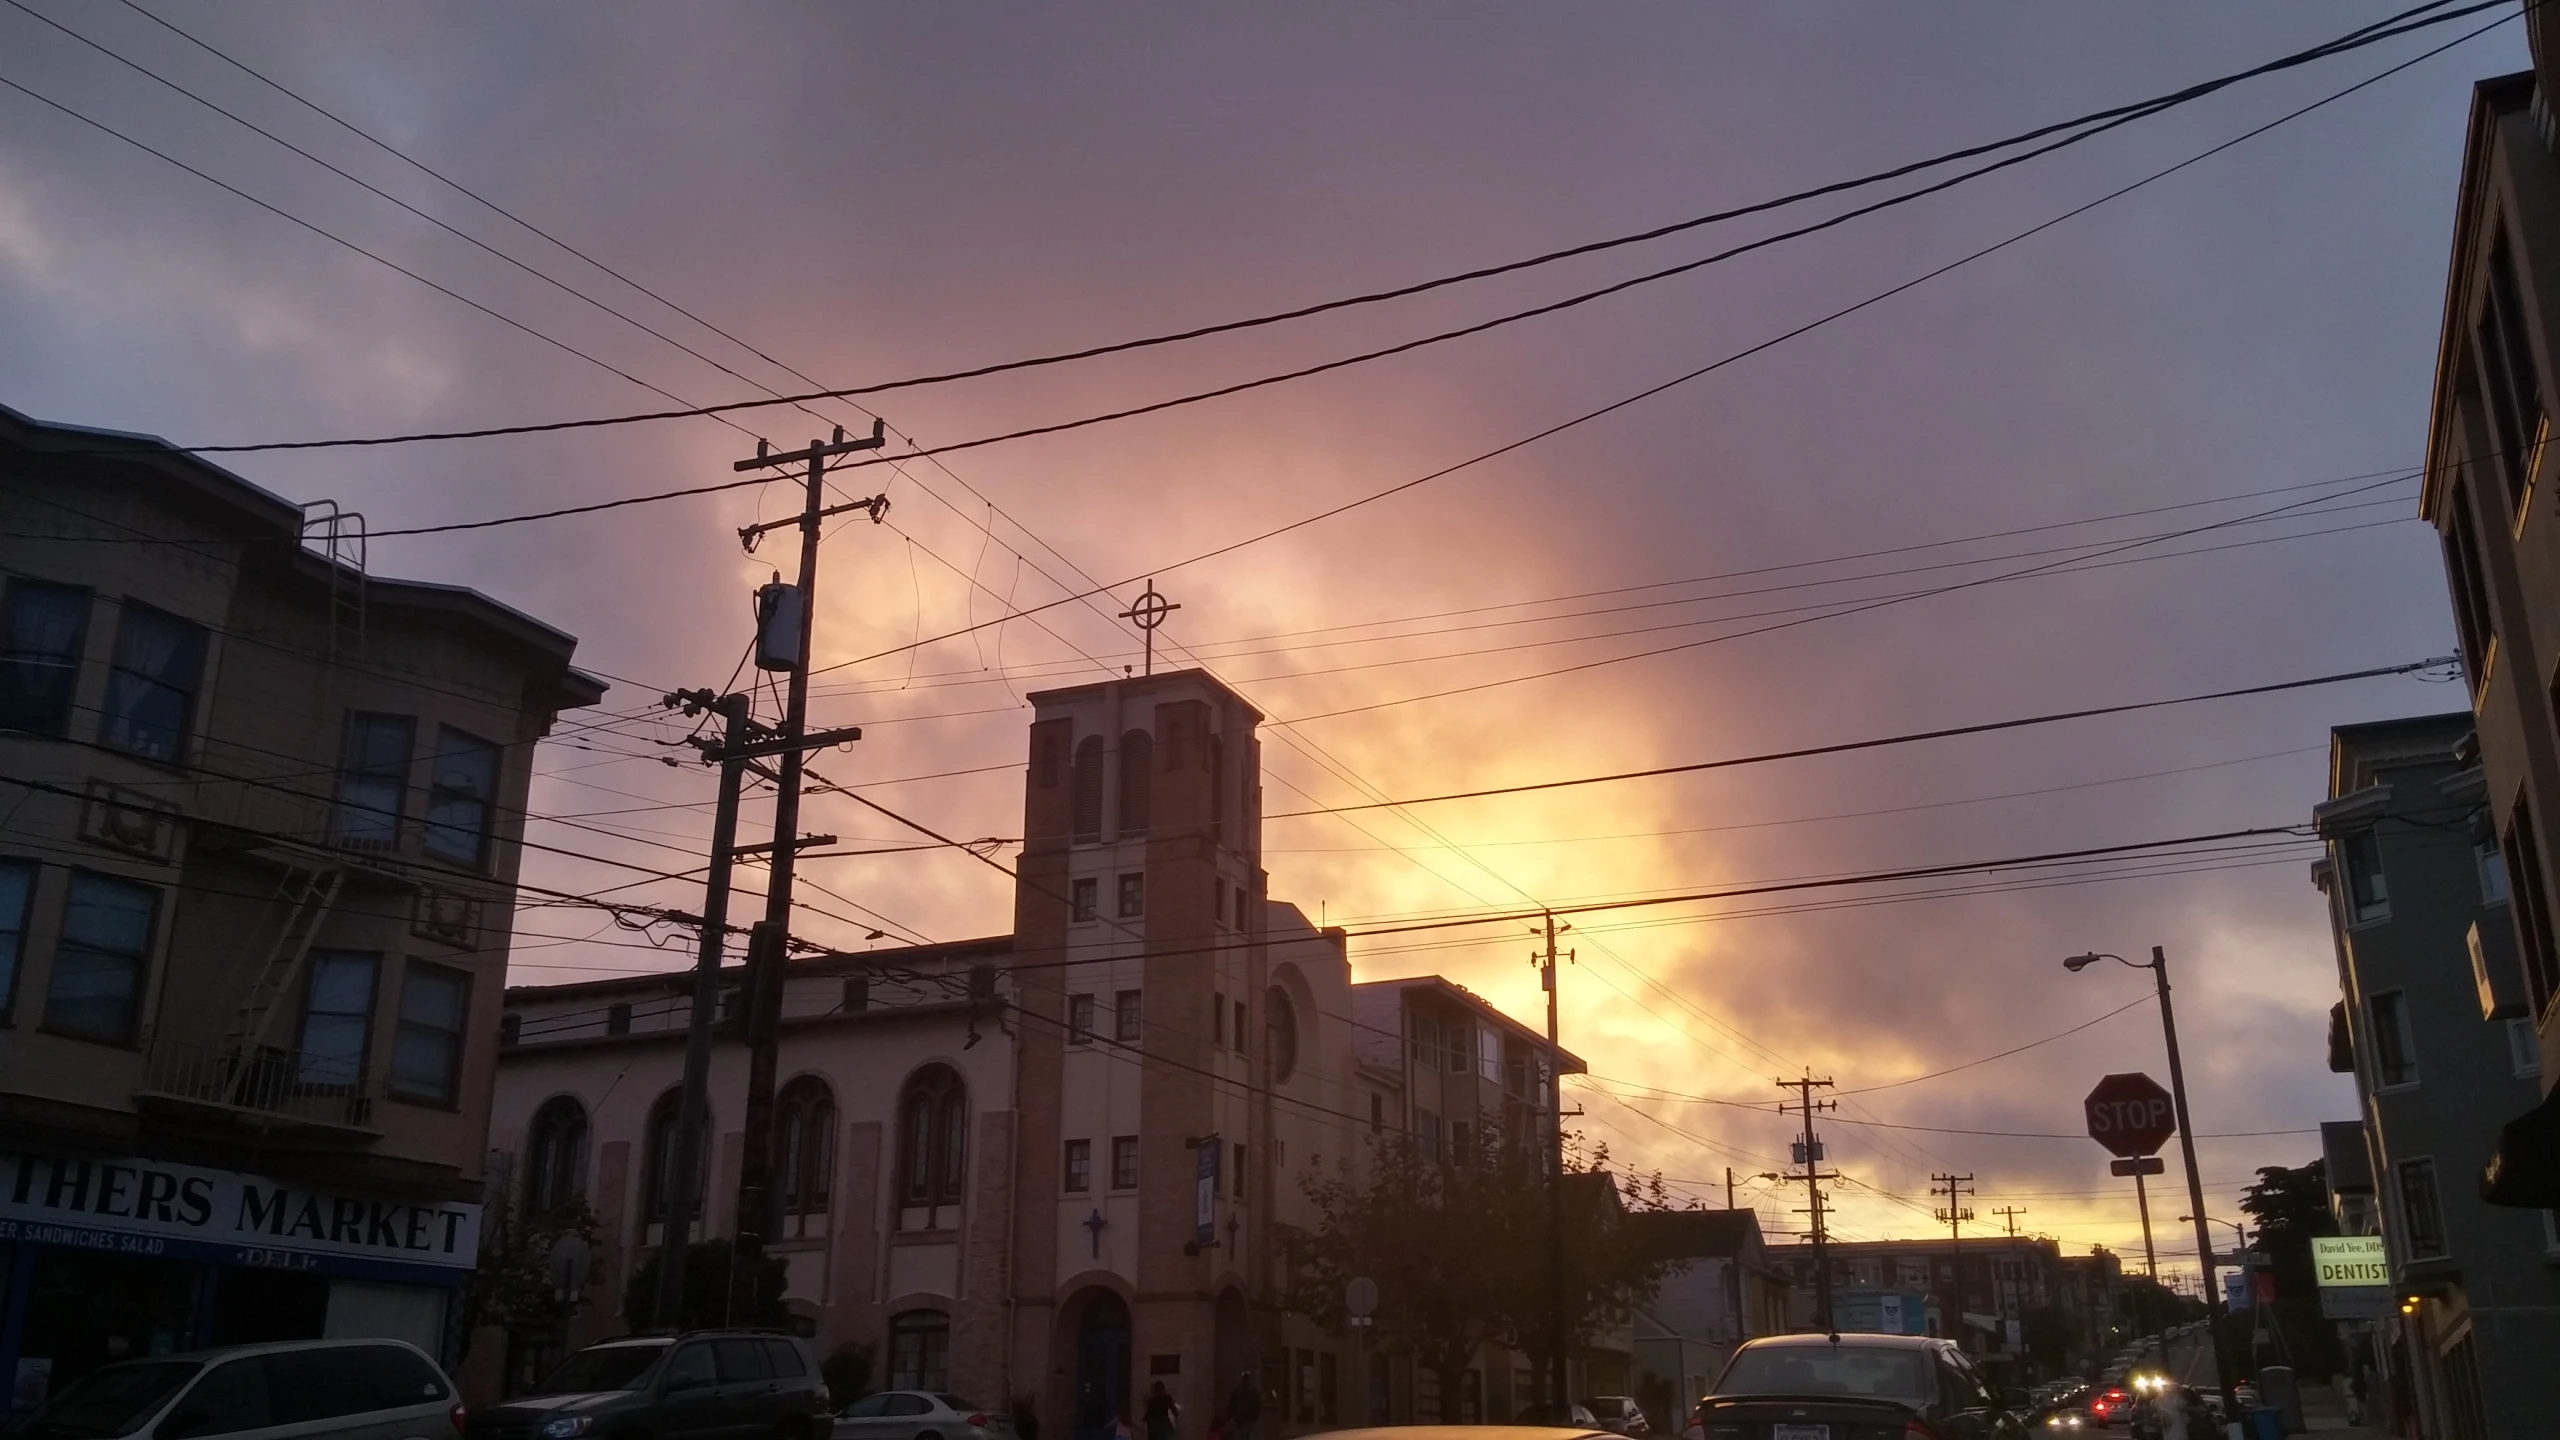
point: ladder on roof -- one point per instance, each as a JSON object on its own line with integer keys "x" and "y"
{"x": 338, "y": 537}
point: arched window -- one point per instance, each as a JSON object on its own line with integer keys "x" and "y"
{"x": 1086, "y": 799}
{"x": 804, "y": 1149}
{"x": 1137, "y": 781}
{"x": 919, "y": 1350}
{"x": 555, "y": 1155}
{"x": 1280, "y": 1020}
{"x": 660, "y": 1186}
{"x": 933, "y": 1134}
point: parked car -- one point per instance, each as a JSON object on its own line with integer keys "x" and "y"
{"x": 1557, "y": 1417}
{"x": 695, "y": 1386}
{"x": 355, "y": 1389}
{"x": 1910, "y": 1386}
{"x": 1620, "y": 1415}
{"x": 919, "y": 1415}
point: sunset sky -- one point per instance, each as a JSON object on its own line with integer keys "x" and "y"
{"x": 865, "y": 194}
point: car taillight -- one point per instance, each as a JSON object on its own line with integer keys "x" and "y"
{"x": 458, "y": 1415}
{"x": 979, "y": 1421}
{"x": 1914, "y": 1430}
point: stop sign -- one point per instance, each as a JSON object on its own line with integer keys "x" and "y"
{"x": 2130, "y": 1115}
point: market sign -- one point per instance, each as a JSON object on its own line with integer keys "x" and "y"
{"x": 2354, "y": 1276}
{"x": 127, "y": 1205}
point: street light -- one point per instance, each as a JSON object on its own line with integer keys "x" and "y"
{"x": 2159, "y": 968}
{"x": 2239, "y": 1232}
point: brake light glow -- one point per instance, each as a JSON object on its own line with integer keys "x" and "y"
{"x": 979, "y": 1421}
{"x": 458, "y": 1415}
{"x": 1914, "y": 1430}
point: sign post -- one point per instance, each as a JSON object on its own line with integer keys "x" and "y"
{"x": 2133, "y": 1117}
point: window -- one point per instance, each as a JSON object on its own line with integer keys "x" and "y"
{"x": 1124, "y": 1162}
{"x": 2368, "y": 892}
{"x": 1079, "y": 1176}
{"x": 373, "y": 778}
{"x": 2420, "y": 1213}
{"x": 555, "y": 1155}
{"x": 337, "y": 1018}
{"x": 1426, "y": 1134}
{"x": 782, "y": 1359}
{"x": 1218, "y": 1020}
{"x": 2513, "y": 380}
{"x": 1083, "y": 898}
{"x": 689, "y": 1368}
{"x": 1280, "y": 1019}
{"x": 2523, "y": 1048}
{"x": 857, "y": 994}
{"x": 40, "y": 638}
{"x": 459, "y": 796}
{"x": 920, "y": 1350}
{"x": 617, "y": 1018}
{"x": 1377, "y": 1113}
{"x": 1127, "y": 1012}
{"x": 1489, "y": 1053}
{"x": 2492, "y": 864}
{"x": 1218, "y": 787}
{"x": 1137, "y": 782}
{"x": 17, "y": 894}
{"x": 1079, "y": 1019}
{"x": 1240, "y": 1154}
{"x": 933, "y": 1133}
{"x": 232, "y": 1397}
{"x": 804, "y": 1149}
{"x": 2536, "y": 943}
{"x": 2395, "y": 1059}
{"x": 2469, "y": 584}
{"x": 664, "y": 1116}
{"x": 151, "y": 686}
{"x": 1133, "y": 896}
{"x": 1426, "y": 1043}
{"x": 1461, "y": 1038}
{"x": 1239, "y": 1031}
{"x": 426, "y": 1051}
{"x": 98, "y": 967}
{"x": 1085, "y": 794}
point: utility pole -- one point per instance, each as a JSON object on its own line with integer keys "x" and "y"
{"x": 681, "y": 1182}
{"x": 1955, "y": 1188}
{"x": 2000, "y": 1284}
{"x": 1556, "y": 1326}
{"x": 786, "y": 618}
{"x": 1809, "y": 1155}
{"x": 1728, "y": 1187}
{"x": 2214, "y": 1309}
{"x": 2010, "y": 1213}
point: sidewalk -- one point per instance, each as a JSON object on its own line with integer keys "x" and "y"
{"x": 2325, "y": 1415}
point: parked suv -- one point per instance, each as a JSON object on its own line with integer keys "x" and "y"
{"x": 358, "y": 1389}
{"x": 701, "y": 1385}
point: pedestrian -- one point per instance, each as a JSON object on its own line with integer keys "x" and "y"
{"x": 1244, "y": 1408}
{"x": 1163, "y": 1417}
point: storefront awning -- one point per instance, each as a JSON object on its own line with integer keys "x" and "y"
{"x": 2524, "y": 1169}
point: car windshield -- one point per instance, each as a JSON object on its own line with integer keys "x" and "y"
{"x": 111, "y": 1401}
{"x": 602, "y": 1367}
{"x": 1899, "y": 1375}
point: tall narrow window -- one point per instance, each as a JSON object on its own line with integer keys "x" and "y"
{"x": 426, "y": 1051}
{"x": 933, "y": 1117}
{"x": 2395, "y": 1058}
{"x": 17, "y": 895}
{"x": 1081, "y": 904}
{"x": 920, "y": 1350}
{"x": 2421, "y": 1210}
{"x": 1460, "y": 1049}
{"x": 2368, "y": 891}
{"x": 1218, "y": 1020}
{"x": 1080, "y": 1014}
{"x": 2537, "y": 947}
{"x": 373, "y": 778}
{"x": 1137, "y": 782}
{"x": 98, "y": 968}
{"x": 805, "y": 1149}
{"x": 1280, "y": 1021}
{"x": 41, "y": 628}
{"x": 1133, "y": 895}
{"x": 660, "y": 1182}
{"x": 460, "y": 795}
{"x": 1085, "y": 791}
{"x": 1128, "y": 1011}
{"x": 2469, "y": 584}
{"x": 2514, "y": 378}
{"x": 337, "y": 1018}
{"x": 1124, "y": 1162}
{"x": 1218, "y": 787}
{"x": 151, "y": 687}
{"x": 555, "y": 1155}
{"x": 1079, "y": 1176}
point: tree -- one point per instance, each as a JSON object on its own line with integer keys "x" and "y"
{"x": 512, "y": 1287}
{"x": 1458, "y": 1244}
{"x": 706, "y": 1302}
{"x": 2291, "y": 1206}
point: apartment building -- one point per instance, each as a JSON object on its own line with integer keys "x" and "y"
{"x": 1978, "y": 1290}
{"x": 2418, "y": 899}
{"x": 260, "y": 820}
{"x": 2487, "y": 491}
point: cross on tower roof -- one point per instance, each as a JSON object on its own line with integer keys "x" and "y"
{"x": 1148, "y": 613}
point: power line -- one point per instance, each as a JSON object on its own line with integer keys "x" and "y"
{"x": 2402, "y": 24}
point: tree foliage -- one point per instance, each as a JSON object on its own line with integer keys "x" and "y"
{"x": 2291, "y": 1206}
{"x": 1458, "y": 1244}
{"x": 706, "y": 1302}
{"x": 512, "y": 1286}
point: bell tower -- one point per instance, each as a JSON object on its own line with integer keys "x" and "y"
{"x": 1141, "y": 1215}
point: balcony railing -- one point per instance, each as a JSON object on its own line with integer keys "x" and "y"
{"x": 265, "y": 1081}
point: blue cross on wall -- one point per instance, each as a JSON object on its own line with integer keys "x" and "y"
{"x": 1094, "y": 1222}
